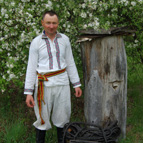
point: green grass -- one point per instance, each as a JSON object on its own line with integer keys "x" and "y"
{"x": 16, "y": 118}
{"x": 14, "y": 132}
{"x": 135, "y": 108}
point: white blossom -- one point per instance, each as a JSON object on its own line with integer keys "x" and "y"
{"x": 37, "y": 32}
{"x": 8, "y": 54}
{"x": 133, "y": 3}
{"x": 3, "y": 77}
{"x": 90, "y": 25}
{"x": 1, "y": 1}
{"x": 126, "y": 3}
{"x": 67, "y": 30}
{"x": 13, "y": 3}
{"x": 6, "y": 16}
{"x": 2, "y": 90}
{"x": 47, "y": 5}
{"x": 83, "y": 15}
{"x": 11, "y": 76}
{"x": 3, "y": 11}
{"x": 83, "y": 5}
{"x": 114, "y": 10}
{"x": 136, "y": 41}
{"x": 23, "y": 0}
{"x": 85, "y": 26}
{"x": 6, "y": 36}
{"x": 122, "y": 1}
{"x": 58, "y": 5}
{"x": 8, "y": 72}
{"x": 50, "y": 3}
{"x": 90, "y": 15}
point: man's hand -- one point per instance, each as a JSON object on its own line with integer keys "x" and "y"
{"x": 78, "y": 92}
{"x": 30, "y": 101}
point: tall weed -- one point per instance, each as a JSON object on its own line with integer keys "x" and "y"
{"x": 14, "y": 132}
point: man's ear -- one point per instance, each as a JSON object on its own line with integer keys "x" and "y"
{"x": 42, "y": 22}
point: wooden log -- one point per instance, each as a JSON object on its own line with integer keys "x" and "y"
{"x": 105, "y": 73}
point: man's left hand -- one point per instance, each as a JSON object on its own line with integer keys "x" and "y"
{"x": 78, "y": 92}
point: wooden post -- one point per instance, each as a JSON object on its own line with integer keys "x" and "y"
{"x": 105, "y": 76}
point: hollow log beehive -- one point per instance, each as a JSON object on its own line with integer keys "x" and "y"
{"x": 105, "y": 76}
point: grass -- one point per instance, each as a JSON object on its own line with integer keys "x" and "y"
{"x": 135, "y": 110}
{"x": 14, "y": 132}
{"x": 16, "y": 119}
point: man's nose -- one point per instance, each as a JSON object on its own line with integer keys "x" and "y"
{"x": 51, "y": 25}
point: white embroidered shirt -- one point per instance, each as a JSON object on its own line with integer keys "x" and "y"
{"x": 48, "y": 56}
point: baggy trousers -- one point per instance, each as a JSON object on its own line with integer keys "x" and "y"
{"x": 57, "y": 107}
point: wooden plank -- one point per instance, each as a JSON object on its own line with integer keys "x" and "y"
{"x": 103, "y": 33}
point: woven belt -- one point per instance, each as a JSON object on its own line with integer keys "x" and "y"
{"x": 40, "y": 95}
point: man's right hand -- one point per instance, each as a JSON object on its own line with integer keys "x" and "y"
{"x": 30, "y": 101}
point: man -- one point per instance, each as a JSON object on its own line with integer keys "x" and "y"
{"x": 50, "y": 66}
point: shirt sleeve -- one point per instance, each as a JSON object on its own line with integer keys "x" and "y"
{"x": 71, "y": 67}
{"x": 31, "y": 68}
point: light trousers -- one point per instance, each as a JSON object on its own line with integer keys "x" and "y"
{"x": 57, "y": 107}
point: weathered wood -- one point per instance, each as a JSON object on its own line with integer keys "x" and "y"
{"x": 105, "y": 73}
{"x": 103, "y": 33}
{"x": 94, "y": 99}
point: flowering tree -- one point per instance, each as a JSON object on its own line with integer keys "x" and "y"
{"x": 20, "y": 22}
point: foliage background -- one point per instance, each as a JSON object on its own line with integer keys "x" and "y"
{"x": 20, "y": 22}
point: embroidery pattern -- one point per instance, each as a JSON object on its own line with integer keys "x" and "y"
{"x": 50, "y": 54}
{"x": 77, "y": 83}
{"x": 49, "y": 50}
{"x": 58, "y": 52}
{"x": 28, "y": 90}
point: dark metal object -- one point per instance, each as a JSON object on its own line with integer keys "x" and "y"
{"x": 90, "y": 133}
{"x": 81, "y": 141}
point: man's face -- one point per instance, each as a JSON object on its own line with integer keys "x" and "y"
{"x": 50, "y": 24}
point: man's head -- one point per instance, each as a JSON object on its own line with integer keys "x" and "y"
{"x": 50, "y": 22}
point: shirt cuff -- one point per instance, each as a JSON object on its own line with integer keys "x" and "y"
{"x": 28, "y": 91}
{"x": 76, "y": 84}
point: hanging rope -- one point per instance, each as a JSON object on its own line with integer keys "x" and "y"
{"x": 90, "y": 132}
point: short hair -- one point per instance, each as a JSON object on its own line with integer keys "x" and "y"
{"x": 51, "y": 13}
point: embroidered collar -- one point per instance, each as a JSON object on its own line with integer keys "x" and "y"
{"x": 58, "y": 35}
